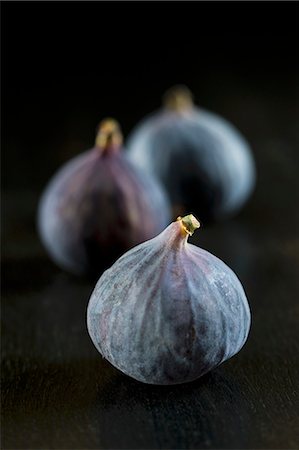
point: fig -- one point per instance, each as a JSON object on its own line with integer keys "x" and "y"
{"x": 167, "y": 311}
{"x": 204, "y": 162}
{"x": 99, "y": 205}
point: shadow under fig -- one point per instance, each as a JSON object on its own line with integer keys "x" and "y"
{"x": 178, "y": 416}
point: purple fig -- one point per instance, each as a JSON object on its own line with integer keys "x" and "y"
{"x": 202, "y": 160}
{"x": 99, "y": 205}
{"x": 168, "y": 312}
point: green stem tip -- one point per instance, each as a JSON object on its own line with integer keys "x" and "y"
{"x": 189, "y": 224}
{"x": 109, "y": 134}
{"x": 178, "y": 98}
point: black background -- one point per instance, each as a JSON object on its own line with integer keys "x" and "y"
{"x": 65, "y": 66}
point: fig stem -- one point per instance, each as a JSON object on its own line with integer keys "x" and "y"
{"x": 178, "y": 98}
{"x": 109, "y": 135}
{"x": 189, "y": 224}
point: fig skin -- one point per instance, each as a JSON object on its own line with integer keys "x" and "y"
{"x": 203, "y": 161}
{"x": 167, "y": 312}
{"x": 98, "y": 205}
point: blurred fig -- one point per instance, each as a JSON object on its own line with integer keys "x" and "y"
{"x": 203, "y": 161}
{"x": 99, "y": 205}
{"x": 167, "y": 311}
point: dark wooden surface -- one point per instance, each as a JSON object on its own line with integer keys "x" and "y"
{"x": 57, "y": 392}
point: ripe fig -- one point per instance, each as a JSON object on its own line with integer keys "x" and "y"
{"x": 167, "y": 311}
{"x": 203, "y": 161}
{"x": 99, "y": 205}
